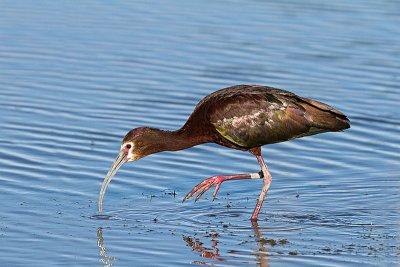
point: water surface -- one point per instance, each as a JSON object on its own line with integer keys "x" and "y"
{"x": 74, "y": 78}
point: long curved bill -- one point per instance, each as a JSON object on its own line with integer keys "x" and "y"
{"x": 121, "y": 159}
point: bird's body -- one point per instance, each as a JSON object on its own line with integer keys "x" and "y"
{"x": 249, "y": 116}
{"x": 243, "y": 117}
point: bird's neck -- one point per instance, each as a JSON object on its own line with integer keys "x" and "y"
{"x": 160, "y": 140}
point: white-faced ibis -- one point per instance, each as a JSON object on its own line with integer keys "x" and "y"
{"x": 243, "y": 117}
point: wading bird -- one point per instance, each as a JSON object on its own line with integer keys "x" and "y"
{"x": 243, "y": 117}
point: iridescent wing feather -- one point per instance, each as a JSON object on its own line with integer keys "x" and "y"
{"x": 259, "y": 116}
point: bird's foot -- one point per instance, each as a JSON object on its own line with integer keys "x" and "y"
{"x": 202, "y": 187}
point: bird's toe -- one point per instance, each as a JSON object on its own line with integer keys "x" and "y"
{"x": 201, "y": 188}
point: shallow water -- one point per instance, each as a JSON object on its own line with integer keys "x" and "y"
{"x": 74, "y": 78}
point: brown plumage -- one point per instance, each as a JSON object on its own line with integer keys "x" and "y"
{"x": 248, "y": 116}
{"x": 243, "y": 117}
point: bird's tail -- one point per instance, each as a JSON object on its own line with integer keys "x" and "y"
{"x": 325, "y": 117}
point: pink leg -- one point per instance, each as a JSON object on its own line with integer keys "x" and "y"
{"x": 217, "y": 180}
{"x": 267, "y": 182}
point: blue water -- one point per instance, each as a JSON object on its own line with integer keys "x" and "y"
{"x": 76, "y": 76}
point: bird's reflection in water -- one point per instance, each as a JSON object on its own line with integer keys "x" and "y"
{"x": 214, "y": 253}
{"x": 196, "y": 245}
{"x": 261, "y": 254}
{"x": 209, "y": 253}
{"x": 104, "y": 258}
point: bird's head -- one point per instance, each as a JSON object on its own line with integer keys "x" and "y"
{"x": 136, "y": 144}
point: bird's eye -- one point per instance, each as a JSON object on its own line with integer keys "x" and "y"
{"x": 128, "y": 146}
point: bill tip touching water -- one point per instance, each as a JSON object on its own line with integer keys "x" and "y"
{"x": 242, "y": 117}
